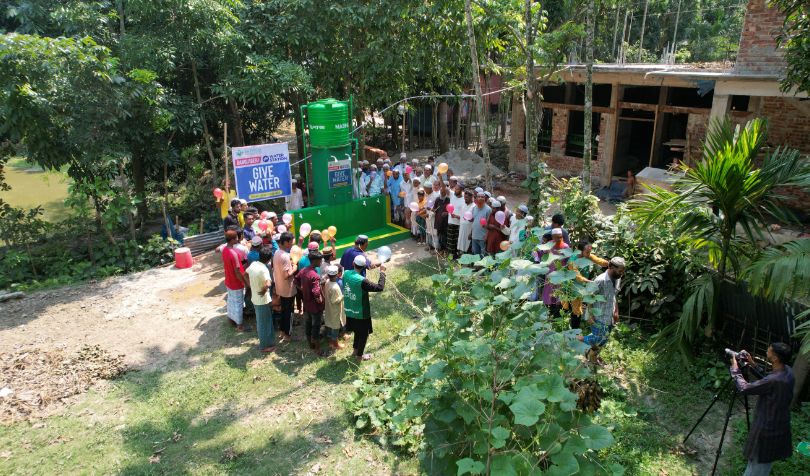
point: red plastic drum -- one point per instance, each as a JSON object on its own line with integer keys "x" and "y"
{"x": 182, "y": 258}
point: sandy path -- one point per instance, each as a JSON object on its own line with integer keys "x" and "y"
{"x": 152, "y": 317}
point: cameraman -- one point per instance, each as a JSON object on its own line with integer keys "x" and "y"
{"x": 769, "y": 439}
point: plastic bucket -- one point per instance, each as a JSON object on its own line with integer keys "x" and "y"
{"x": 182, "y": 258}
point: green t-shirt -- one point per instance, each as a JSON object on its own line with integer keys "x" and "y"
{"x": 353, "y": 294}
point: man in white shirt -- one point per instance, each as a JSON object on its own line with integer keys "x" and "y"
{"x": 465, "y": 225}
{"x": 260, "y": 282}
{"x": 454, "y": 218}
{"x": 296, "y": 200}
{"x": 405, "y": 188}
{"x": 429, "y": 178}
{"x": 402, "y": 165}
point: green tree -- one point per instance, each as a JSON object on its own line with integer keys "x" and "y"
{"x": 724, "y": 204}
{"x": 795, "y": 39}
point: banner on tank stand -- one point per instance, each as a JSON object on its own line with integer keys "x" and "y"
{"x": 262, "y": 172}
{"x": 340, "y": 173}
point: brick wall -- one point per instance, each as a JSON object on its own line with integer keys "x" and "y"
{"x": 788, "y": 123}
{"x": 565, "y": 165}
{"x": 696, "y": 126}
{"x": 758, "y": 52}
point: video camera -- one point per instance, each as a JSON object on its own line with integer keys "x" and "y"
{"x": 742, "y": 360}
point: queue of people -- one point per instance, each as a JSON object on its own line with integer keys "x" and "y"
{"x": 280, "y": 281}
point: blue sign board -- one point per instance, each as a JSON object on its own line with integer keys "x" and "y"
{"x": 340, "y": 173}
{"x": 262, "y": 172}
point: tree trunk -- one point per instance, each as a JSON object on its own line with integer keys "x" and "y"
{"x": 587, "y": 151}
{"x": 444, "y": 133}
{"x": 125, "y": 187}
{"x": 643, "y": 26}
{"x": 457, "y": 125}
{"x": 299, "y": 128}
{"x": 236, "y": 123}
{"x": 468, "y": 126}
{"x": 531, "y": 92}
{"x": 206, "y": 135}
{"x": 139, "y": 184}
{"x": 479, "y": 97}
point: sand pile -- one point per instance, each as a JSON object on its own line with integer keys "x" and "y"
{"x": 467, "y": 165}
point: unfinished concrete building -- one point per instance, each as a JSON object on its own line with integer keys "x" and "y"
{"x": 647, "y": 116}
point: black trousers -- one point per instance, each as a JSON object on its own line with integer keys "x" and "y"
{"x": 575, "y": 321}
{"x": 312, "y": 324}
{"x": 361, "y": 329}
{"x": 452, "y": 238}
{"x": 554, "y": 310}
{"x": 285, "y": 322}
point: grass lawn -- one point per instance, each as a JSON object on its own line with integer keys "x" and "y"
{"x": 229, "y": 410}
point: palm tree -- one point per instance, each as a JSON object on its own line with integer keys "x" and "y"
{"x": 782, "y": 272}
{"x": 723, "y": 204}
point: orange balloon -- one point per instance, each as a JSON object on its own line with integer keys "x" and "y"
{"x": 388, "y": 174}
{"x": 332, "y": 231}
{"x": 504, "y": 245}
{"x": 326, "y": 236}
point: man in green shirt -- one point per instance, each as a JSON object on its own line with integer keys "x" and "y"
{"x": 355, "y": 298}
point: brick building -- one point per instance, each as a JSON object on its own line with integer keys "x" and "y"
{"x": 650, "y": 115}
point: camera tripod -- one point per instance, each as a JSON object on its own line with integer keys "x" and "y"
{"x": 728, "y": 388}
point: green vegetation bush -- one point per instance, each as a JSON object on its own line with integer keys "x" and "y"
{"x": 482, "y": 386}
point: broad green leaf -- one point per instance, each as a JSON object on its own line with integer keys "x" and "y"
{"x": 565, "y": 464}
{"x": 596, "y": 437}
{"x": 503, "y": 465}
{"x": 527, "y": 407}
{"x": 468, "y": 259}
{"x": 499, "y": 436}
{"x": 470, "y": 466}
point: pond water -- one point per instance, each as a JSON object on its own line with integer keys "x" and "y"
{"x": 31, "y": 186}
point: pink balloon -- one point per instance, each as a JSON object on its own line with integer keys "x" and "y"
{"x": 304, "y": 229}
{"x": 264, "y": 215}
{"x": 450, "y": 208}
{"x": 263, "y": 225}
{"x": 218, "y": 193}
{"x": 500, "y": 217}
{"x": 282, "y": 228}
{"x": 286, "y": 218}
{"x": 414, "y": 207}
{"x": 408, "y": 169}
{"x": 468, "y": 215}
{"x": 483, "y": 222}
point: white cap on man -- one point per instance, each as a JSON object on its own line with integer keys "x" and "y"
{"x": 496, "y": 204}
{"x": 360, "y": 261}
{"x": 479, "y": 190}
{"x": 332, "y": 270}
{"x": 501, "y": 199}
{"x": 556, "y": 232}
{"x": 616, "y": 261}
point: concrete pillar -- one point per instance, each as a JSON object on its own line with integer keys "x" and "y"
{"x": 721, "y": 105}
{"x": 607, "y": 135}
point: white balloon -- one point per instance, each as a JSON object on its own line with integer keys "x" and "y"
{"x": 384, "y": 254}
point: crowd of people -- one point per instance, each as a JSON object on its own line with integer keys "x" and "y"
{"x": 284, "y": 277}
{"x": 274, "y": 277}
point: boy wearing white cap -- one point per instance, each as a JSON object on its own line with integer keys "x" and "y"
{"x": 334, "y": 315}
{"x": 356, "y": 304}
{"x": 517, "y": 230}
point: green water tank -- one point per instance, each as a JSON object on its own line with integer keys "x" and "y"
{"x": 329, "y": 124}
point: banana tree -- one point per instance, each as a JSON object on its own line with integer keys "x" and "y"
{"x": 724, "y": 203}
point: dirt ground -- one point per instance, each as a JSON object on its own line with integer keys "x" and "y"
{"x": 149, "y": 317}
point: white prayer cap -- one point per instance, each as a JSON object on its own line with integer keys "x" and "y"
{"x": 295, "y": 181}
{"x": 272, "y": 215}
{"x": 479, "y": 190}
{"x": 362, "y": 237}
{"x": 332, "y": 270}
{"x": 243, "y": 201}
{"x": 617, "y": 261}
{"x": 523, "y": 208}
{"x": 428, "y": 166}
{"x": 402, "y": 155}
{"x": 496, "y": 204}
{"x": 453, "y": 177}
{"x": 360, "y": 261}
{"x": 556, "y": 231}
{"x": 256, "y": 241}
{"x": 501, "y": 199}
{"x": 415, "y": 161}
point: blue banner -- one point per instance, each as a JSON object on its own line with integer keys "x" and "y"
{"x": 340, "y": 173}
{"x": 262, "y": 172}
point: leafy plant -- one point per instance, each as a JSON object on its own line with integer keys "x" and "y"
{"x": 539, "y": 183}
{"x": 726, "y": 191}
{"x": 580, "y": 208}
{"x": 482, "y": 386}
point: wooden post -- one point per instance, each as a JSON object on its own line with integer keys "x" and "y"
{"x": 658, "y": 129}
{"x": 225, "y": 157}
